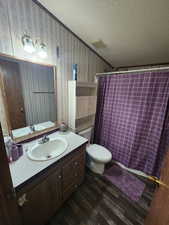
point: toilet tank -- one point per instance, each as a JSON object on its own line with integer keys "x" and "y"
{"x": 87, "y": 133}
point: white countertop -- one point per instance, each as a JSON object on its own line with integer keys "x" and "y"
{"x": 24, "y": 168}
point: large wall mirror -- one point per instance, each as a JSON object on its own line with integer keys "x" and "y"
{"x": 27, "y": 97}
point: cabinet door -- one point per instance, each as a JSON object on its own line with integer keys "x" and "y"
{"x": 56, "y": 190}
{"x": 2, "y": 215}
{"x": 73, "y": 173}
{"x": 36, "y": 209}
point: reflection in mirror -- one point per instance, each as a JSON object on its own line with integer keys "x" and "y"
{"x": 27, "y": 97}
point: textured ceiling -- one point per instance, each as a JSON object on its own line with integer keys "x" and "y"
{"x": 135, "y": 32}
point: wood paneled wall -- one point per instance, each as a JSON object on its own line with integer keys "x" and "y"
{"x": 3, "y": 118}
{"x": 24, "y": 16}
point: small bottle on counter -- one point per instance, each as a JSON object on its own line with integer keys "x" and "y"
{"x": 14, "y": 152}
{"x": 63, "y": 127}
{"x": 20, "y": 149}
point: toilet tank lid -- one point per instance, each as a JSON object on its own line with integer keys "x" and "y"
{"x": 99, "y": 152}
{"x": 85, "y": 131}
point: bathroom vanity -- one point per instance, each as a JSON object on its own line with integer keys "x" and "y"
{"x": 45, "y": 185}
{"x": 41, "y": 176}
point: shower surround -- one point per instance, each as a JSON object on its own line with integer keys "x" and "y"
{"x": 132, "y": 118}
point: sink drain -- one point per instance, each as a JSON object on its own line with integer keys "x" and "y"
{"x": 48, "y": 156}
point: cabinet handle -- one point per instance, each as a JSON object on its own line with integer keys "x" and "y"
{"x": 21, "y": 109}
{"x": 76, "y": 163}
{"x": 22, "y": 200}
{"x": 59, "y": 176}
{"x": 76, "y": 185}
{"x": 75, "y": 174}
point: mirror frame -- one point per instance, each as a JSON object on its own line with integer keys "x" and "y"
{"x": 35, "y": 134}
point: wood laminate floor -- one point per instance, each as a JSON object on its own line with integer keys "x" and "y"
{"x": 98, "y": 202}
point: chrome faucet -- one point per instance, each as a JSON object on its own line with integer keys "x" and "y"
{"x": 44, "y": 140}
{"x": 32, "y": 127}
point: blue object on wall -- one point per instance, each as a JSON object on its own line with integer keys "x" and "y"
{"x": 58, "y": 52}
{"x": 74, "y": 71}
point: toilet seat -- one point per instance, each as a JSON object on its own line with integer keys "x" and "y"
{"x": 99, "y": 153}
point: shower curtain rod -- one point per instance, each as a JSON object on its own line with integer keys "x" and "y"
{"x": 130, "y": 71}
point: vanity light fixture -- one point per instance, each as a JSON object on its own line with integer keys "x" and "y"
{"x": 28, "y": 44}
{"x": 42, "y": 51}
{"x": 31, "y": 47}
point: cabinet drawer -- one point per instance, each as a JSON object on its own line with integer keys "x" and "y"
{"x": 80, "y": 152}
{"x": 73, "y": 171}
{"x": 73, "y": 166}
{"x": 73, "y": 177}
{"x": 69, "y": 190}
{"x": 74, "y": 161}
{"x": 72, "y": 186}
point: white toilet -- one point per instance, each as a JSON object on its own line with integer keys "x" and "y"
{"x": 97, "y": 155}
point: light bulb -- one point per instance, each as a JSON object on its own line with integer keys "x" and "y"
{"x": 28, "y": 44}
{"x": 29, "y": 48}
{"x": 42, "y": 51}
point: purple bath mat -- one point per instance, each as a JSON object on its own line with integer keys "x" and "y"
{"x": 126, "y": 182}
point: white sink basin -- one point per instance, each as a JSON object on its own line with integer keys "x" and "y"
{"x": 53, "y": 148}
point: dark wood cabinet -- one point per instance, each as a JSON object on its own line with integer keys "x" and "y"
{"x": 2, "y": 216}
{"x": 73, "y": 173}
{"x": 37, "y": 205}
{"x": 55, "y": 183}
{"x": 40, "y": 199}
{"x": 2, "y": 221}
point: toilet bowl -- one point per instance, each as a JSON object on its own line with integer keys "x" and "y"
{"x": 97, "y": 155}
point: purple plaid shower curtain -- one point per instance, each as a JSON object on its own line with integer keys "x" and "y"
{"x": 132, "y": 118}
